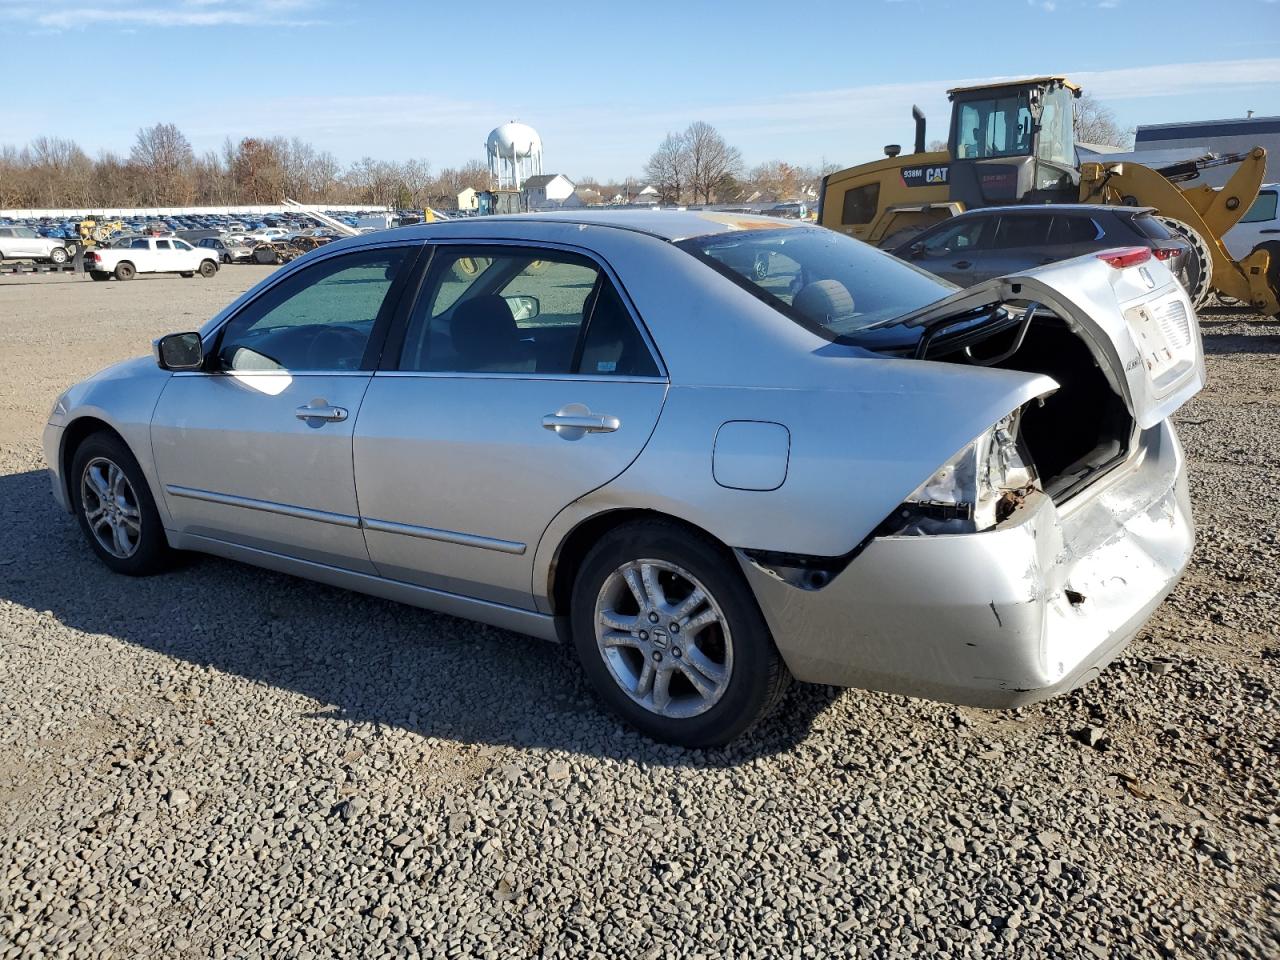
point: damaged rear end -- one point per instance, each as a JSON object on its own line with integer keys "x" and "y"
{"x": 1031, "y": 557}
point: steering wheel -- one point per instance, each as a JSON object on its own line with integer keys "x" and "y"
{"x": 333, "y": 340}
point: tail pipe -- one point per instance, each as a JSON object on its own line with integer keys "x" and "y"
{"x": 918, "y": 116}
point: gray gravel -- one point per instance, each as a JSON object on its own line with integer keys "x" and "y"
{"x": 223, "y": 762}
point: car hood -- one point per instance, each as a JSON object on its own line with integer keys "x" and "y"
{"x": 1138, "y": 322}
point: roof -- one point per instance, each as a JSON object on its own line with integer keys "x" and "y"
{"x": 1016, "y": 82}
{"x": 665, "y": 224}
{"x": 1238, "y": 127}
{"x": 1030, "y": 208}
{"x": 542, "y": 179}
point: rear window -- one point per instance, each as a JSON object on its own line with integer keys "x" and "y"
{"x": 827, "y": 282}
{"x": 1150, "y": 227}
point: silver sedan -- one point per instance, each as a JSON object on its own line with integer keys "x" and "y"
{"x": 711, "y": 452}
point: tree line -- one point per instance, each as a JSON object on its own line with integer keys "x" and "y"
{"x": 162, "y": 170}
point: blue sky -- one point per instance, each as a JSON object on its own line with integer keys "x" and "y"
{"x": 601, "y": 82}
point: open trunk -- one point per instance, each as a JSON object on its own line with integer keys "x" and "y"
{"x": 1121, "y": 342}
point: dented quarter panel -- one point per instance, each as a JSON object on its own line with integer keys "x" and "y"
{"x": 989, "y": 619}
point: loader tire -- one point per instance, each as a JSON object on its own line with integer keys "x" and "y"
{"x": 1197, "y": 274}
{"x": 1273, "y": 270}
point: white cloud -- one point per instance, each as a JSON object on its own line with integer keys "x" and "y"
{"x": 131, "y": 14}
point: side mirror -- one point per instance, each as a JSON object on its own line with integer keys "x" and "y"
{"x": 916, "y": 249}
{"x": 179, "y": 351}
{"x": 524, "y": 308}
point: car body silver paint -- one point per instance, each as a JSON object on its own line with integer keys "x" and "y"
{"x": 864, "y": 430}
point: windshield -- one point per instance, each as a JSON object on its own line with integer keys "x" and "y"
{"x": 829, "y": 283}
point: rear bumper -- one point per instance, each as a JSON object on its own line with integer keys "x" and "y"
{"x": 986, "y": 619}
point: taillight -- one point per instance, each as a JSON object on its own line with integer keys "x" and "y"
{"x": 91, "y": 255}
{"x": 1123, "y": 257}
{"x": 1166, "y": 253}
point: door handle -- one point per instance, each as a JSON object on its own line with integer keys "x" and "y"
{"x": 962, "y": 264}
{"x": 588, "y": 423}
{"x": 320, "y": 409}
{"x": 1269, "y": 231}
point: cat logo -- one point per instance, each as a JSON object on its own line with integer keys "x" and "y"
{"x": 926, "y": 176}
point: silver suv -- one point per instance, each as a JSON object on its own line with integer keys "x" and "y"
{"x": 23, "y": 243}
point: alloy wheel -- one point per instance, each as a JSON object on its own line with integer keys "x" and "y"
{"x": 111, "y": 508}
{"x": 663, "y": 637}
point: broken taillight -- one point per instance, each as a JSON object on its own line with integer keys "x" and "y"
{"x": 1166, "y": 253}
{"x": 1123, "y": 257}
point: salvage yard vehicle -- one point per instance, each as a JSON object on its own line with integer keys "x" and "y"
{"x": 847, "y": 471}
{"x": 994, "y": 241}
{"x": 23, "y": 243}
{"x": 150, "y": 255}
{"x": 228, "y": 251}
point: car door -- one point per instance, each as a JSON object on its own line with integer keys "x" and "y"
{"x": 187, "y": 255}
{"x": 141, "y": 254}
{"x": 521, "y": 381}
{"x": 26, "y": 243}
{"x": 1018, "y": 243}
{"x": 955, "y": 251}
{"x": 256, "y": 450}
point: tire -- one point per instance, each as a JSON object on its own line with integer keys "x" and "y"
{"x": 742, "y": 677}
{"x": 186, "y": 273}
{"x": 99, "y": 275}
{"x": 1197, "y": 276}
{"x": 125, "y": 270}
{"x": 207, "y": 269}
{"x": 103, "y": 462}
{"x": 58, "y": 255}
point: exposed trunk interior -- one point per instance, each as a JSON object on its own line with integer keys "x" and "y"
{"x": 1081, "y": 430}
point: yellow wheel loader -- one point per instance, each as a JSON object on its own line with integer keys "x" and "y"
{"x": 1014, "y": 142}
{"x": 94, "y": 232}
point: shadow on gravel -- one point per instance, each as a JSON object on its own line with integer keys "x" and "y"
{"x": 362, "y": 659}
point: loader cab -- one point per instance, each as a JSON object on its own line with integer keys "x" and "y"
{"x": 1013, "y": 142}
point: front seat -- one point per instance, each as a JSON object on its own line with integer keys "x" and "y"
{"x": 486, "y": 338}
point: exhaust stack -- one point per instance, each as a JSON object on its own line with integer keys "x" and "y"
{"x": 918, "y": 116}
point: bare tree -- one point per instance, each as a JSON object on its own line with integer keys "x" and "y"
{"x": 1094, "y": 122}
{"x": 258, "y": 172}
{"x": 164, "y": 157}
{"x": 711, "y": 160}
{"x": 668, "y": 168}
{"x": 776, "y": 177}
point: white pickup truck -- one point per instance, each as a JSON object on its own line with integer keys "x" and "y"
{"x": 150, "y": 255}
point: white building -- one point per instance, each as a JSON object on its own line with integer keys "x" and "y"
{"x": 548, "y": 191}
{"x": 468, "y": 200}
{"x": 1218, "y": 137}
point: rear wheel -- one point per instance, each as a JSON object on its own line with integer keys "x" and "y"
{"x": 671, "y": 637}
{"x": 1197, "y": 272}
{"x": 207, "y": 269}
{"x": 125, "y": 271}
{"x": 99, "y": 275}
{"x": 114, "y": 507}
{"x": 58, "y": 255}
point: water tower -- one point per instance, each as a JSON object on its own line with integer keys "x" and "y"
{"x": 515, "y": 154}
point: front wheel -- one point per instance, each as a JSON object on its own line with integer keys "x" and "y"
{"x": 672, "y": 638}
{"x": 207, "y": 268}
{"x": 114, "y": 507}
{"x": 1197, "y": 272}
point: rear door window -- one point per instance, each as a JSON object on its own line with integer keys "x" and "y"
{"x": 1072, "y": 229}
{"x": 498, "y": 309}
{"x": 1017, "y": 231}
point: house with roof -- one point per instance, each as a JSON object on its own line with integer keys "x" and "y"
{"x": 549, "y": 191}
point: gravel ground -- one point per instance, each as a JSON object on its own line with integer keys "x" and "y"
{"x": 227, "y": 762}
